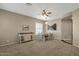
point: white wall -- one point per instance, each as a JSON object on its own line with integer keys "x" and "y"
{"x": 56, "y": 33}
{"x": 11, "y": 24}
{"x": 75, "y": 17}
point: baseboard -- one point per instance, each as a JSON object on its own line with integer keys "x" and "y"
{"x": 66, "y": 42}
{"x": 8, "y": 44}
{"x": 76, "y": 45}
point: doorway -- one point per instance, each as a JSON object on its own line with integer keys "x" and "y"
{"x": 67, "y": 31}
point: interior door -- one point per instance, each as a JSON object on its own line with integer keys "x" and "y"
{"x": 67, "y": 31}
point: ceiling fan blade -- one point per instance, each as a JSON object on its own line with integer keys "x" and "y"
{"x": 46, "y": 14}
{"x": 49, "y": 13}
{"x": 44, "y": 10}
{"x": 42, "y": 13}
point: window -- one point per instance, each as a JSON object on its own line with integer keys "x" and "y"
{"x": 39, "y": 28}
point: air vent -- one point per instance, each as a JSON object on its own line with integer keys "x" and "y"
{"x": 28, "y": 4}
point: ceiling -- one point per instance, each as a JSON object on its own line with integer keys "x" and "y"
{"x": 58, "y": 10}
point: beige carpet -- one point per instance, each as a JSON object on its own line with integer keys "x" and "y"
{"x": 39, "y": 48}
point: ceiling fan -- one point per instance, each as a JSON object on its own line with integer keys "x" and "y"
{"x": 46, "y": 13}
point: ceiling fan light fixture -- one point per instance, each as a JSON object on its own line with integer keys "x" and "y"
{"x": 44, "y": 15}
